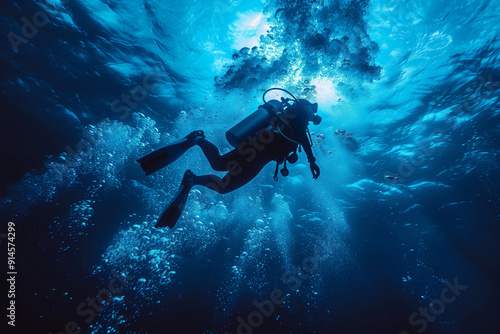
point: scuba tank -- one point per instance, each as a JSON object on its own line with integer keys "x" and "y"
{"x": 255, "y": 122}
{"x": 269, "y": 114}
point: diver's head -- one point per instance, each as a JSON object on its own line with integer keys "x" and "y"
{"x": 311, "y": 111}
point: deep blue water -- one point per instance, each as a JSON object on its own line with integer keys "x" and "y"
{"x": 406, "y": 208}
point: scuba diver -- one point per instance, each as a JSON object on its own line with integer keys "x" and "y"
{"x": 275, "y": 132}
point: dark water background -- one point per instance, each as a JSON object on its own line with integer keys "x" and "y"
{"x": 407, "y": 203}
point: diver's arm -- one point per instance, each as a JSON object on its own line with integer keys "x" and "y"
{"x": 304, "y": 140}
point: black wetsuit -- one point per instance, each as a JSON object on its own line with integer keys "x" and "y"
{"x": 246, "y": 161}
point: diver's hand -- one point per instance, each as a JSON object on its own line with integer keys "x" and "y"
{"x": 314, "y": 170}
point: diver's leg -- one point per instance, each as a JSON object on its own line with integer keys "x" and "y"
{"x": 232, "y": 180}
{"x": 217, "y": 161}
{"x": 174, "y": 210}
{"x": 168, "y": 154}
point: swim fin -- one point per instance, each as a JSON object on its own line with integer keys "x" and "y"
{"x": 172, "y": 213}
{"x": 164, "y": 156}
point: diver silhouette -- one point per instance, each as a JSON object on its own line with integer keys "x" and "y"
{"x": 275, "y": 132}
